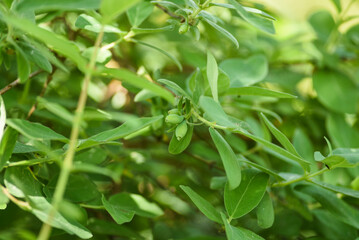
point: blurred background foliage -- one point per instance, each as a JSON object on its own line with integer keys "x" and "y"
{"x": 313, "y": 55}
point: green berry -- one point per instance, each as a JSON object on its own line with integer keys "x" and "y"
{"x": 183, "y": 28}
{"x": 174, "y": 111}
{"x": 181, "y": 130}
{"x": 174, "y": 119}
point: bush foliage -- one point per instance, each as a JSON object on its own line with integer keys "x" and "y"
{"x": 178, "y": 119}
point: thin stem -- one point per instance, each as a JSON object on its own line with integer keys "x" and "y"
{"x": 17, "y": 81}
{"x": 47, "y": 82}
{"x": 21, "y": 204}
{"x": 68, "y": 161}
{"x": 303, "y": 178}
{"x": 281, "y": 184}
{"x": 211, "y": 124}
{"x": 198, "y": 10}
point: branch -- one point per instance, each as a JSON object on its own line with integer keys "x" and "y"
{"x": 47, "y": 82}
{"x": 17, "y": 81}
{"x": 171, "y": 14}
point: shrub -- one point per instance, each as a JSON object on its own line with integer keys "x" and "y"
{"x": 180, "y": 119}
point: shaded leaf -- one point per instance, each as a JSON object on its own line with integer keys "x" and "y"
{"x": 119, "y": 214}
{"x": 128, "y": 203}
{"x": 265, "y": 212}
{"x": 223, "y": 31}
{"x": 174, "y": 59}
{"x": 40, "y": 5}
{"x": 177, "y": 146}
{"x": 229, "y": 159}
{"x": 236, "y": 233}
{"x": 336, "y": 91}
{"x": 110, "y": 9}
{"x": 212, "y": 75}
{"x": 33, "y": 130}
{"x": 340, "y": 209}
{"x": 122, "y": 131}
{"x": 280, "y": 136}
{"x": 259, "y": 22}
{"x": 203, "y": 205}
{"x": 258, "y": 91}
{"x": 247, "y": 196}
{"x": 137, "y": 81}
{"x": 138, "y": 13}
{"x": 245, "y": 72}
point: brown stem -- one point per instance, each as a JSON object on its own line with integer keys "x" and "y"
{"x": 17, "y": 81}
{"x": 171, "y": 14}
{"x": 46, "y": 83}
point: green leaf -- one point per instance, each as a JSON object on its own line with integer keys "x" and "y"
{"x": 340, "y": 132}
{"x": 245, "y": 72}
{"x": 110, "y": 9}
{"x": 94, "y": 169}
{"x": 104, "y": 227}
{"x": 35, "y": 56}
{"x": 336, "y": 91}
{"x": 260, "y": 167}
{"x": 33, "y": 130}
{"x": 128, "y": 203}
{"x": 138, "y": 13}
{"x": 20, "y": 183}
{"x": 201, "y": 82}
{"x": 40, "y": 5}
{"x": 265, "y": 212}
{"x": 259, "y": 22}
{"x": 223, "y": 31}
{"x": 174, "y": 59}
{"x": 122, "y": 131}
{"x": 341, "y": 157}
{"x": 258, "y": 91}
{"x": 236, "y": 233}
{"x": 212, "y": 75}
{"x": 340, "y": 209}
{"x": 337, "y": 5}
{"x": 117, "y": 212}
{"x": 338, "y": 189}
{"x": 323, "y": 24}
{"x": 54, "y": 41}
{"x": 203, "y": 205}
{"x": 79, "y": 189}
{"x": 280, "y": 136}
{"x": 229, "y": 159}
{"x": 248, "y": 9}
{"x": 23, "y": 148}
{"x": 305, "y": 164}
{"x": 247, "y": 196}
{"x": 176, "y": 88}
{"x": 143, "y": 95}
{"x": 7, "y": 146}
{"x": 103, "y": 55}
{"x": 331, "y": 228}
{"x": 23, "y": 66}
{"x": 177, "y": 146}
{"x": 218, "y": 183}
{"x": 214, "y": 112}
{"x": 133, "y": 79}
{"x": 350, "y": 154}
{"x": 2, "y": 117}
{"x": 4, "y": 200}
{"x": 57, "y": 110}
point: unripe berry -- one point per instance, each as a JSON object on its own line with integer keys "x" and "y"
{"x": 183, "y": 28}
{"x": 174, "y": 119}
{"x": 181, "y": 130}
{"x": 174, "y": 111}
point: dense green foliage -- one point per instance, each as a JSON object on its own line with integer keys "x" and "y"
{"x": 178, "y": 119}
